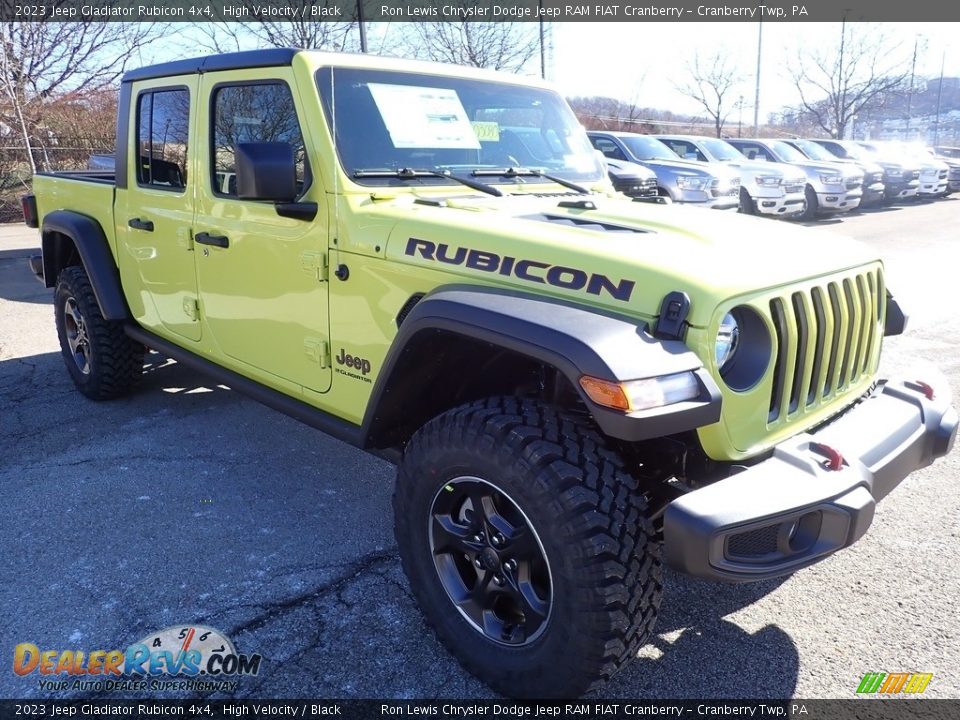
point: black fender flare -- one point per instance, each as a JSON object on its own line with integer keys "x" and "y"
{"x": 91, "y": 245}
{"x": 574, "y": 339}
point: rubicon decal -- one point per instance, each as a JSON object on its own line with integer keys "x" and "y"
{"x": 560, "y": 276}
{"x": 184, "y": 652}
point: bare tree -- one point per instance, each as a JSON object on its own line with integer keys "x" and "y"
{"x": 713, "y": 82}
{"x": 861, "y": 74}
{"x": 307, "y": 30}
{"x": 41, "y": 61}
{"x": 495, "y": 45}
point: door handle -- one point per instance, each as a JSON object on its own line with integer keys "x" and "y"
{"x": 208, "y": 239}
{"x": 138, "y": 224}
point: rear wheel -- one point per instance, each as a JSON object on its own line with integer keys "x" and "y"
{"x": 102, "y": 361}
{"x": 527, "y": 546}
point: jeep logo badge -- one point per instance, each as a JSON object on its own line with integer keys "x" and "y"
{"x": 352, "y": 361}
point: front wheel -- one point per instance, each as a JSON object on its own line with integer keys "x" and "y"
{"x": 810, "y": 212}
{"x": 528, "y": 546}
{"x": 747, "y": 205}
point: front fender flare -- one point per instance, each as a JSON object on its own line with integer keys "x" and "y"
{"x": 575, "y": 340}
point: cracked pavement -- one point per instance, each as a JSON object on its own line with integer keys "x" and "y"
{"x": 188, "y": 504}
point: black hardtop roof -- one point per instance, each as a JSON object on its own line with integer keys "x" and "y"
{"x": 227, "y": 61}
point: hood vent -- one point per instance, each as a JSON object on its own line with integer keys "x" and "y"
{"x": 583, "y": 223}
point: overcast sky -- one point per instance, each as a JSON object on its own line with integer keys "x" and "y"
{"x": 644, "y": 60}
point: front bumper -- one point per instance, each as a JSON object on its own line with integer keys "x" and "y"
{"x": 872, "y": 194}
{"x": 841, "y": 200}
{"x": 704, "y": 199}
{"x": 792, "y": 510}
{"x": 900, "y": 190}
{"x": 788, "y": 204}
{"x": 932, "y": 187}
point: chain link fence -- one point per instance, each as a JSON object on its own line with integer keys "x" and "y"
{"x": 16, "y": 173}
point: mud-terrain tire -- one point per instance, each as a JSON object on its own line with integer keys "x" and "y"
{"x": 102, "y": 361}
{"x": 561, "y": 622}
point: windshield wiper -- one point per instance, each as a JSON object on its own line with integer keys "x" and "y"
{"x": 530, "y": 172}
{"x": 413, "y": 174}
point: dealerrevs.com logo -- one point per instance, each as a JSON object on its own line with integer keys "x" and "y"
{"x": 191, "y": 658}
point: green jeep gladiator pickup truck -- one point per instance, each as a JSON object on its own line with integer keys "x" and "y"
{"x": 429, "y": 263}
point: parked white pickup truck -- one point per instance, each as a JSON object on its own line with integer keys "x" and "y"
{"x": 765, "y": 188}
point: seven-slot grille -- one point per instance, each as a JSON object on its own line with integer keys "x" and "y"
{"x": 825, "y": 340}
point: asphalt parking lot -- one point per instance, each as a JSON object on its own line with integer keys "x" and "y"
{"x": 188, "y": 504}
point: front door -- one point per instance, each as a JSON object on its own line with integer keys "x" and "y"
{"x": 263, "y": 288}
{"x": 154, "y": 212}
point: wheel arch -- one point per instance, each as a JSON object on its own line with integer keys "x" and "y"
{"x": 71, "y": 238}
{"x": 462, "y": 343}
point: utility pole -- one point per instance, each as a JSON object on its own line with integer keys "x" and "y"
{"x": 756, "y": 95}
{"x": 913, "y": 69}
{"x": 363, "y": 27}
{"x": 841, "y": 131}
{"x": 936, "y": 124}
{"x": 543, "y": 52}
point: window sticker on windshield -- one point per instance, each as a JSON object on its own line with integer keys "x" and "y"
{"x": 424, "y": 117}
{"x": 487, "y": 131}
{"x": 580, "y": 163}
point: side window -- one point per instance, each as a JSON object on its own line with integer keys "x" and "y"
{"x": 608, "y": 148}
{"x": 163, "y": 124}
{"x": 754, "y": 152}
{"x": 259, "y": 112}
{"x": 689, "y": 151}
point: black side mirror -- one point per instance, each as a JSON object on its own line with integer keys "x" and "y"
{"x": 266, "y": 171}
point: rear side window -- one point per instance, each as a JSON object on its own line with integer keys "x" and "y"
{"x": 163, "y": 123}
{"x": 258, "y": 112}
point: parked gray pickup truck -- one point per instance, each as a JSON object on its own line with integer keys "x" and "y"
{"x": 683, "y": 181}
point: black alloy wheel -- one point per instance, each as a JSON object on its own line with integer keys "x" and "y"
{"x": 490, "y": 561}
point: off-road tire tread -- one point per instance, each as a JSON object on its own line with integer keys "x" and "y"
{"x": 601, "y": 506}
{"x": 117, "y": 363}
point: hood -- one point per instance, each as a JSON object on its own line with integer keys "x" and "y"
{"x": 770, "y": 168}
{"x": 689, "y": 167}
{"x": 623, "y": 169}
{"x": 824, "y": 167}
{"x": 613, "y": 253}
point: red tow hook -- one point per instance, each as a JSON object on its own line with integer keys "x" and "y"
{"x": 834, "y": 460}
{"x": 924, "y": 388}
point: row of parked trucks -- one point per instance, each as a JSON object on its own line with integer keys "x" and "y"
{"x": 791, "y": 178}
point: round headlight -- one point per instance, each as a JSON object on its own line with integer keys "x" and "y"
{"x": 728, "y": 337}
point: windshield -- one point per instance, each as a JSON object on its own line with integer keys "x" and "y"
{"x": 385, "y": 120}
{"x": 786, "y": 153}
{"x": 647, "y": 148}
{"x": 723, "y": 151}
{"x": 814, "y": 151}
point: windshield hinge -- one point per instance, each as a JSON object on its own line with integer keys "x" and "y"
{"x": 191, "y": 307}
{"x": 318, "y": 351}
{"x": 315, "y": 262}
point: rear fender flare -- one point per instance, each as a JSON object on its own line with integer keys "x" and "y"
{"x": 64, "y": 231}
